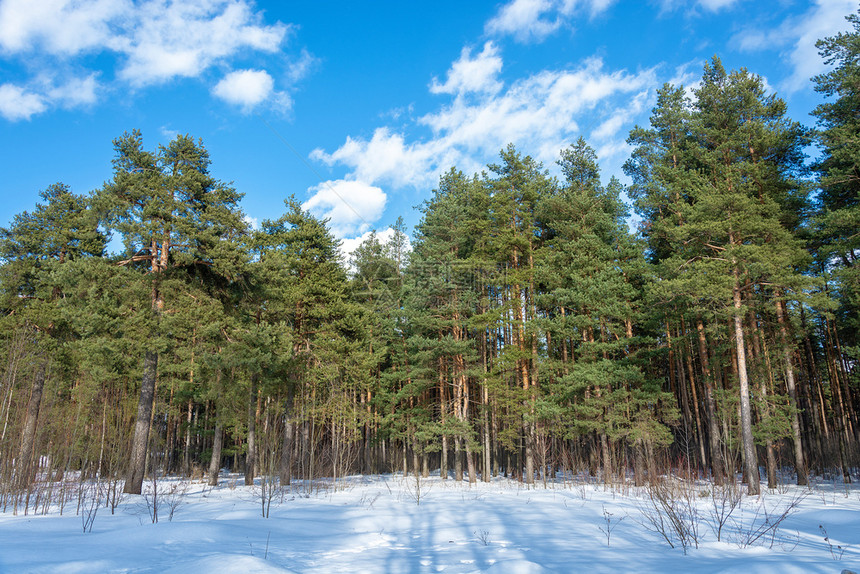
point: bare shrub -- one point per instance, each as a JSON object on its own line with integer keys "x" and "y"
{"x": 763, "y": 527}
{"x": 89, "y": 500}
{"x": 670, "y": 511}
{"x": 725, "y": 499}
{"x": 269, "y": 453}
{"x": 271, "y": 490}
{"x": 367, "y": 499}
{"x": 164, "y": 497}
{"x": 414, "y": 488}
{"x": 835, "y": 553}
{"x": 173, "y": 496}
{"x": 113, "y": 493}
{"x": 90, "y": 495}
{"x": 609, "y": 519}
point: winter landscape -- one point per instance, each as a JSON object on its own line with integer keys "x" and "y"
{"x": 517, "y": 286}
{"x": 388, "y": 523}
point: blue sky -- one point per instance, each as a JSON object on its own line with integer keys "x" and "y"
{"x": 357, "y": 107}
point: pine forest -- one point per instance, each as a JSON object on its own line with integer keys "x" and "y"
{"x": 540, "y": 321}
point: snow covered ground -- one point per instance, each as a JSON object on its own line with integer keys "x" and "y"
{"x": 391, "y": 524}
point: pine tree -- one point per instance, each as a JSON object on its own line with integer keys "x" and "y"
{"x": 517, "y": 185}
{"x": 378, "y": 286}
{"x": 35, "y": 249}
{"x": 441, "y": 305}
{"x": 721, "y": 207}
{"x": 839, "y": 170}
{"x": 588, "y": 272}
{"x": 305, "y": 294}
{"x": 180, "y": 222}
{"x": 746, "y": 153}
{"x": 661, "y": 168}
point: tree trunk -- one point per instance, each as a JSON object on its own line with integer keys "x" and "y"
{"x": 186, "y": 452}
{"x": 485, "y": 402}
{"x": 459, "y": 414}
{"x": 638, "y": 463}
{"x": 760, "y": 364}
{"x": 839, "y": 414}
{"x": 215, "y": 461}
{"x": 287, "y": 452}
{"x": 607, "y": 458}
{"x": 700, "y": 429}
{"x": 485, "y": 465}
{"x": 750, "y": 456}
{"x": 28, "y": 438}
{"x": 137, "y": 462}
{"x": 458, "y": 459}
{"x": 799, "y": 459}
{"x": 443, "y": 463}
{"x": 251, "y": 455}
{"x": 416, "y": 457}
{"x": 717, "y": 467}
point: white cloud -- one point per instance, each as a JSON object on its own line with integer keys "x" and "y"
{"x": 826, "y": 18}
{"x": 60, "y": 27}
{"x": 524, "y": 19}
{"x": 385, "y": 157}
{"x": 299, "y": 69}
{"x": 18, "y": 104}
{"x": 245, "y": 88}
{"x": 687, "y": 73}
{"x": 534, "y": 107}
{"x": 75, "y": 92}
{"x": 153, "y": 41}
{"x": 598, "y": 6}
{"x": 610, "y": 136}
{"x": 479, "y": 74}
{"x": 534, "y": 20}
{"x": 617, "y": 148}
{"x": 350, "y": 206}
{"x": 23, "y": 102}
{"x": 160, "y": 39}
{"x": 396, "y": 113}
{"x": 181, "y": 39}
{"x": 542, "y": 112}
{"x": 716, "y": 5}
{"x": 168, "y": 133}
{"x": 755, "y": 39}
{"x": 694, "y": 6}
{"x": 350, "y": 244}
{"x": 610, "y": 127}
{"x": 796, "y": 38}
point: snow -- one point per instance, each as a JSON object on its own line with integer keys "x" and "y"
{"x": 390, "y": 523}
